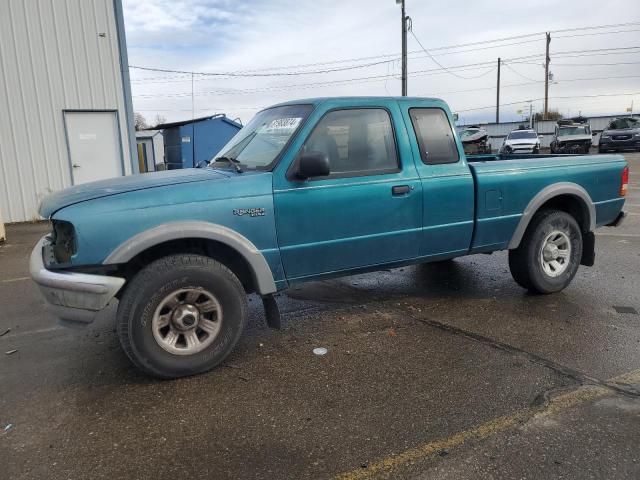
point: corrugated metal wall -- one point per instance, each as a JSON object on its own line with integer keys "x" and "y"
{"x": 54, "y": 56}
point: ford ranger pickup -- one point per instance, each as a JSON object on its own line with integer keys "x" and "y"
{"x": 308, "y": 190}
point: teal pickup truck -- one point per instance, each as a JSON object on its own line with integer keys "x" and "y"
{"x": 307, "y": 190}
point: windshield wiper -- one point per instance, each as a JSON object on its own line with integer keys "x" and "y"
{"x": 231, "y": 161}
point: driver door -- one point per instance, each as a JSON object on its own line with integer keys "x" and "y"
{"x": 366, "y": 212}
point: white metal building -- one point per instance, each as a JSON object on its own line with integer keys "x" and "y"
{"x": 150, "y": 150}
{"x": 65, "y": 99}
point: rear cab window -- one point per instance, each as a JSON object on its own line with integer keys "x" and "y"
{"x": 435, "y": 136}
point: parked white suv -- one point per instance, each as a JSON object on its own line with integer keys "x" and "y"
{"x": 521, "y": 141}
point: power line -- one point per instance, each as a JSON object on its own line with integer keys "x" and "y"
{"x": 582, "y": 64}
{"x": 442, "y": 66}
{"x": 238, "y": 74}
{"x": 563, "y": 54}
{"x": 518, "y": 73}
{"x": 596, "y": 33}
{"x": 435, "y": 71}
{"x": 596, "y": 27}
{"x": 554, "y": 98}
{"x": 358, "y": 80}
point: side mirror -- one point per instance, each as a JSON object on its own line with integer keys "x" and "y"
{"x": 202, "y": 164}
{"x": 593, "y": 134}
{"x": 313, "y": 164}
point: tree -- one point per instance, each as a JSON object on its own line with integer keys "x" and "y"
{"x": 139, "y": 121}
{"x": 159, "y": 120}
{"x": 551, "y": 115}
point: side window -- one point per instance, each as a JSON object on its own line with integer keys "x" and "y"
{"x": 434, "y": 134}
{"x": 357, "y": 142}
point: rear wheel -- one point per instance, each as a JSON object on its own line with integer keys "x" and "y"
{"x": 181, "y": 315}
{"x": 549, "y": 254}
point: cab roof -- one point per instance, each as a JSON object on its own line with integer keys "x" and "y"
{"x": 357, "y": 99}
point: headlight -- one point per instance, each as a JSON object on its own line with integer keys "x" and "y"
{"x": 604, "y": 136}
{"x": 63, "y": 241}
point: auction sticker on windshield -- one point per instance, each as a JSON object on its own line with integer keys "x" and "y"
{"x": 288, "y": 124}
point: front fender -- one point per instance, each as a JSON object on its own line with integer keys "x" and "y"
{"x": 262, "y": 275}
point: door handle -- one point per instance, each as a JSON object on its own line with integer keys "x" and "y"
{"x": 399, "y": 190}
{"x": 75, "y": 166}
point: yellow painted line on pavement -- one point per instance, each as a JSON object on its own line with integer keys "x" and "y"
{"x": 12, "y": 280}
{"x": 630, "y": 378}
{"x": 485, "y": 430}
{"x": 625, "y": 235}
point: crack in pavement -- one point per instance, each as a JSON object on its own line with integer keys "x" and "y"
{"x": 577, "y": 376}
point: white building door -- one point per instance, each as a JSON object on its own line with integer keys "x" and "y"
{"x": 94, "y": 145}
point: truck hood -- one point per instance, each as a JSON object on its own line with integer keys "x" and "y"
{"x": 522, "y": 141}
{"x": 573, "y": 138}
{"x": 115, "y": 186}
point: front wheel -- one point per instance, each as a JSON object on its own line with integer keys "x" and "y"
{"x": 181, "y": 315}
{"x": 549, "y": 254}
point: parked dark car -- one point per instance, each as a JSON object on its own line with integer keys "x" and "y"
{"x": 621, "y": 134}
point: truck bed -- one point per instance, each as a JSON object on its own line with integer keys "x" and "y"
{"x": 505, "y": 184}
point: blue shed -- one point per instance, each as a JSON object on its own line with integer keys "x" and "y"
{"x": 188, "y": 142}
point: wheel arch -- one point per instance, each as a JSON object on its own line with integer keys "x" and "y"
{"x": 199, "y": 233}
{"x": 566, "y": 196}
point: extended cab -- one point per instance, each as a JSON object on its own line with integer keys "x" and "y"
{"x": 308, "y": 190}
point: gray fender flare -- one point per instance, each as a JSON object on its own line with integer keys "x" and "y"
{"x": 262, "y": 275}
{"x": 546, "y": 194}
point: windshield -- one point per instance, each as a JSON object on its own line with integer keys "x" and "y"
{"x": 259, "y": 142}
{"x": 468, "y": 132}
{"x": 519, "y": 135}
{"x": 623, "y": 123}
{"x": 573, "y": 131}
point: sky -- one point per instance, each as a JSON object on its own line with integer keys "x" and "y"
{"x": 360, "y": 39}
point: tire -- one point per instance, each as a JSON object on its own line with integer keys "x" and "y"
{"x": 536, "y": 150}
{"x": 187, "y": 295}
{"x": 532, "y": 265}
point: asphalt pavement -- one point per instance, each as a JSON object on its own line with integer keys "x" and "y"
{"x": 444, "y": 371}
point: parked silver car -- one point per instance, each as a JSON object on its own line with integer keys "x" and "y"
{"x": 521, "y": 141}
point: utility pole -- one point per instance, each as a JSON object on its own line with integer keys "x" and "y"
{"x": 404, "y": 48}
{"x": 531, "y": 114}
{"x": 498, "y": 95}
{"x": 546, "y": 78}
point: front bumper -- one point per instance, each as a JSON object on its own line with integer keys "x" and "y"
{"x": 519, "y": 148}
{"x": 631, "y": 143}
{"x": 572, "y": 147}
{"x": 72, "y": 297}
